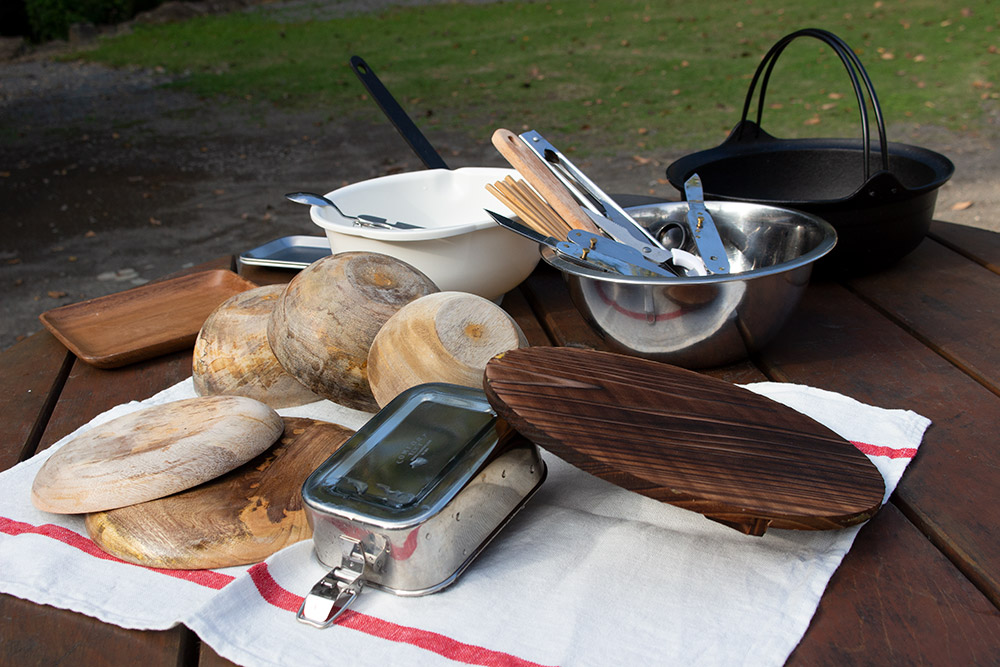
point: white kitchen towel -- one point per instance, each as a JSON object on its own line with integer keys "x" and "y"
{"x": 586, "y": 574}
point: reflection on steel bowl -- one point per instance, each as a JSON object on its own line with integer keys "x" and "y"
{"x": 700, "y": 322}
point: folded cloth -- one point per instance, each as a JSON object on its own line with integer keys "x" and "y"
{"x": 586, "y": 574}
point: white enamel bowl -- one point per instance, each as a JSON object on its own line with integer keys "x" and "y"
{"x": 460, "y": 247}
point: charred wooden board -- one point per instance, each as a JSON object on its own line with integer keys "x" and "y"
{"x": 685, "y": 438}
{"x": 242, "y": 517}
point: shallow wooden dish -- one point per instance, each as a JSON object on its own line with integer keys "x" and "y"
{"x": 143, "y": 322}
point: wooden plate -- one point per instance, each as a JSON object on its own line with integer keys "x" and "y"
{"x": 242, "y": 517}
{"x": 685, "y": 439}
{"x": 143, "y": 322}
{"x": 153, "y": 452}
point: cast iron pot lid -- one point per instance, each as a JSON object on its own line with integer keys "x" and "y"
{"x": 684, "y": 438}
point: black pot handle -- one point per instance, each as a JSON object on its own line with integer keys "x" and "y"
{"x": 391, "y": 108}
{"x": 853, "y": 66}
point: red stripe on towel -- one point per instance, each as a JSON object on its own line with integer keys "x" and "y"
{"x": 207, "y": 578}
{"x": 888, "y": 452}
{"x": 444, "y": 646}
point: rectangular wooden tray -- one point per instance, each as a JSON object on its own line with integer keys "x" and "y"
{"x": 142, "y": 322}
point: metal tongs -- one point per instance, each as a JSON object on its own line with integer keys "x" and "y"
{"x": 591, "y": 250}
{"x": 614, "y": 221}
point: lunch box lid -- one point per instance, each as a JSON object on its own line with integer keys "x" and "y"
{"x": 409, "y": 460}
{"x": 685, "y": 438}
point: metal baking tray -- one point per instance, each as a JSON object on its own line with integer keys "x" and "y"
{"x": 289, "y": 252}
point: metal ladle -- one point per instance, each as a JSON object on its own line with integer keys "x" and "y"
{"x": 363, "y": 220}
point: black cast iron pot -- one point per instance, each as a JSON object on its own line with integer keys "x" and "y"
{"x": 879, "y": 196}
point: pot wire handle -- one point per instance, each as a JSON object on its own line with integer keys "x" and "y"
{"x": 851, "y": 63}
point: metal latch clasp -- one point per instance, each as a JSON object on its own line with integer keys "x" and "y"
{"x": 335, "y": 592}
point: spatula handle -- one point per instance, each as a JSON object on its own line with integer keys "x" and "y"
{"x": 543, "y": 180}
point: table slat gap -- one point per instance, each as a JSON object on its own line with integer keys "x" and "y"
{"x": 977, "y": 245}
{"x": 189, "y": 652}
{"x": 30, "y": 446}
{"x": 963, "y": 561}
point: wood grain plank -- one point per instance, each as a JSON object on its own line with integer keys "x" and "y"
{"x": 980, "y": 245}
{"x": 33, "y": 372}
{"x": 839, "y": 343}
{"x": 895, "y": 600}
{"x": 207, "y": 657}
{"x": 516, "y": 305}
{"x": 32, "y": 634}
{"x": 956, "y": 312}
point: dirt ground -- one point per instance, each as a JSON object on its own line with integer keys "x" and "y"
{"x": 108, "y": 181}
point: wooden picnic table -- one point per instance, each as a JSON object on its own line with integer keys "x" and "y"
{"x": 922, "y": 581}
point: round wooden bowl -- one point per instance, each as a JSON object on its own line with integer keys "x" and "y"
{"x": 443, "y": 337}
{"x": 232, "y": 356}
{"x": 326, "y": 319}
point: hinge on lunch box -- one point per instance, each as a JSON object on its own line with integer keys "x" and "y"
{"x": 335, "y": 592}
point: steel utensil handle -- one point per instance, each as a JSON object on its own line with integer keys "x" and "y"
{"x": 402, "y": 122}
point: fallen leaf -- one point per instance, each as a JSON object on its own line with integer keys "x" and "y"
{"x": 961, "y": 206}
{"x": 155, "y": 222}
{"x": 53, "y": 294}
{"x": 641, "y": 160}
{"x": 90, "y": 234}
{"x": 815, "y": 120}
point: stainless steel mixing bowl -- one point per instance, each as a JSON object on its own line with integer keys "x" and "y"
{"x": 701, "y": 322}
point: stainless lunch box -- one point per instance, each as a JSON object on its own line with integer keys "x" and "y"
{"x": 409, "y": 501}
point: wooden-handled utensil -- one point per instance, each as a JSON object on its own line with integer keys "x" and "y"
{"x": 543, "y": 180}
{"x": 685, "y": 438}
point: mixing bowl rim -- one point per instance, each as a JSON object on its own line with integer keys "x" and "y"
{"x": 826, "y": 244}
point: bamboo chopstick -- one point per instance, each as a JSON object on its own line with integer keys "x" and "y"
{"x": 529, "y": 206}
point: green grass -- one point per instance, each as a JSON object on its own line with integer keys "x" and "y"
{"x": 598, "y": 76}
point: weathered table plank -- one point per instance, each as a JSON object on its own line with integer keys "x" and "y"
{"x": 33, "y": 634}
{"x": 895, "y": 600}
{"x": 33, "y": 372}
{"x": 957, "y": 313}
{"x": 979, "y": 245}
{"x": 949, "y": 488}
